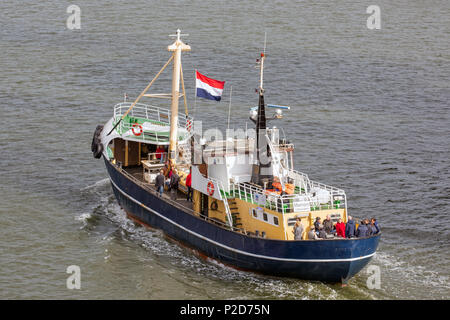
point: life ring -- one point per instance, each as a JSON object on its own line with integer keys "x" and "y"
{"x": 140, "y": 129}
{"x": 210, "y": 188}
{"x": 214, "y": 205}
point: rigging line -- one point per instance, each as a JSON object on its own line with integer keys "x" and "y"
{"x": 142, "y": 93}
{"x": 184, "y": 91}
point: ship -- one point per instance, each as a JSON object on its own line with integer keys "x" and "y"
{"x": 246, "y": 195}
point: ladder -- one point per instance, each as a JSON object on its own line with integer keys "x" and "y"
{"x": 228, "y": 212}
{"x": 185, "y": 150}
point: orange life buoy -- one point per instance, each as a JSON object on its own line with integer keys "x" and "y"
{"x": 289, "y": 186}
{"x": 277, "y": 185}
{"x": 210, "y": 188}
{"x": 140, "y": 129}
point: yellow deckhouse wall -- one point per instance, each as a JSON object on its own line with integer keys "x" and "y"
{"x": 251, "y": 223}
{"x": 283, "y": 230}
{"x": 308, "y": 219}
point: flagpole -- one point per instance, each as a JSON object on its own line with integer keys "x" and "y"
{"x": 195, "y": 93}
{"x": 229, "y": 108}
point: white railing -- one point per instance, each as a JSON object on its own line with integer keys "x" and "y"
{"x": 159, "y": 117}
{"x": 287, "y": 203}
{"x": 337, "y": 197}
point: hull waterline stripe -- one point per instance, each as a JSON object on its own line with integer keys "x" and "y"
{"x": 233, "y": 249}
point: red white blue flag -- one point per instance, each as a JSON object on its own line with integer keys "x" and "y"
{"x": 208, "y": 88}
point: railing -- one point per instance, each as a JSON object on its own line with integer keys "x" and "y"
{"x": 300, "y": 201}
{"x": 298, "y": 179}
{"x": 263, "y": 198}
{"x": 153, "y": 191}
{"x": 156, "y": 116}
{"x": 337, "y": 197}
{"x": 154, "y": 156}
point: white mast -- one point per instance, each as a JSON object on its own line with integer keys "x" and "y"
{"x": 176, "y": 48}
{"x": 261, "y": 66}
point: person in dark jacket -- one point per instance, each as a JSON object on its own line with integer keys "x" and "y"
{"x": 159, "y": 182}
{"x": 317, "y": 223}
{"x": 362, "y": 231}
{"x": 328, "y": 225}
{"x": 174, "y": 180}
{"x": 322, "y": 233}
{"x": 374, "y": 225}
{"x": 350, "y": 228}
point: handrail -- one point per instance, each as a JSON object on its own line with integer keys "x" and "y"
{"x": 178, "y": 205}
{"x": 156, "y": 115}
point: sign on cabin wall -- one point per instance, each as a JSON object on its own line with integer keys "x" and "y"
{"x": 259, "y": 199}
{"x": 300, "y": 205}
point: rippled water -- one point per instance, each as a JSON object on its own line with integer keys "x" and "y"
{"x": 369, "y": 113}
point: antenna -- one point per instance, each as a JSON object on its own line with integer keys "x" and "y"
{"x": 265, "y": 39}
{"x": 179, "y": 35}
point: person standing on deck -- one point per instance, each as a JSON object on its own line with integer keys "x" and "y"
{"x": 312, "y": 235}
{"x": 350, "y": 228}
{"x": 159, "y": 182}
{"x": 188, "y": 185}
{"x": 174, "y": 180}
{"x": 298, "y": 230}
{"x": 362, "y": 231}
{"x": 322, "y": 233}
{"x": 317, "y": 223}
{"x": 159, "y": 153}
{"x": 374, "y": 225}
{"x": 328, "y": 225}
{"x": 340, "y": 228}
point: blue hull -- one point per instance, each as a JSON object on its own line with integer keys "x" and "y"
{"x": 334, "y": 260}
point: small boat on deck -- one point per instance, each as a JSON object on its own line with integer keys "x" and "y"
{"x": 247, "y": 196}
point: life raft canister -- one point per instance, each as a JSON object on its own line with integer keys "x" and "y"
{"x": 210, "y": 188}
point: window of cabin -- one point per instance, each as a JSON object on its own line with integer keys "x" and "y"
{"x": 275, "y": 220}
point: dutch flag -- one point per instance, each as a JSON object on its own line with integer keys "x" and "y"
{"x": 208, "y": 88}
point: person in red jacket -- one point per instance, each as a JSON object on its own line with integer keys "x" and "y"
{"x": 159, "y": 153}
{"x": 340, "y": 228}
{"x": 188, "y": 185}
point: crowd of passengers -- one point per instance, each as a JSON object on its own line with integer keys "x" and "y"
{"x": 327, "y": 229}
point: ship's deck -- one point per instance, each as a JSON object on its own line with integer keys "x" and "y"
{"x": 181, "y": 199}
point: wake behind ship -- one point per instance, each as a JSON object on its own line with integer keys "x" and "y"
{"x": 247, "y": 196}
